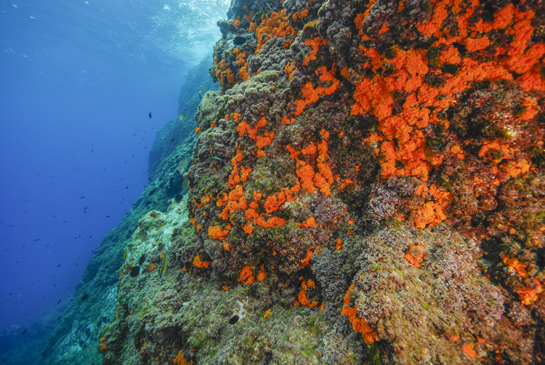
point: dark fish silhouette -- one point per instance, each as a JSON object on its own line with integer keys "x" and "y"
{"x": 23, "y": 332}
{"x": 84, "y": 297}
{"x": 149, "y": 115}
{"x": 59, "y": 301}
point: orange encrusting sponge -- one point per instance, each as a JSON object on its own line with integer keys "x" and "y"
{"x": 358, "y": 324}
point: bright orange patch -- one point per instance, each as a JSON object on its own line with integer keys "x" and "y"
{"x": 198, "y": 263}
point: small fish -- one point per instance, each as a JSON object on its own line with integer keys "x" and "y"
{"x": 200, "y": 96}
{"x": 126, "y": 253}
{"x": 149, "y": 115}
{"x": 59, "y": 301}
{"x": 23, "y": 332}
{"x": 164, "y": 267}
{"x": 276, "y": 168}
{"x": 182, "y": 166}
{"x": 216, "y": 158}
{"x": 36, "y": 240}
{"x": 182, "y": 117}
{"x": 84, "y": 297}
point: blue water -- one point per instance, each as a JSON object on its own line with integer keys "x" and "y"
{"x": 77, "y": 81}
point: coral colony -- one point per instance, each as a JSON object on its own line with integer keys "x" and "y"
{"x": 369, "y": 182}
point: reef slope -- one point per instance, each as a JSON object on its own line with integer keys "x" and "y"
{"x": 367, "y": 187}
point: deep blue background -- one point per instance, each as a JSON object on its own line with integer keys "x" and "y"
{"x": 77, "y": 80}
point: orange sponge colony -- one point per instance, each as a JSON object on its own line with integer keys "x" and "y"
{"x": 359, "y": 324}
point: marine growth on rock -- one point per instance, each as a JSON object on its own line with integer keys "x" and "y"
{"x": 367, "y": 187}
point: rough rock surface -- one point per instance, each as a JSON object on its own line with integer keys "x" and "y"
{"x": 367, "y": 187}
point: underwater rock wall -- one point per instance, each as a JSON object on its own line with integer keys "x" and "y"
{"x": 366, "y": 187}
{"x": 75, "y": 338}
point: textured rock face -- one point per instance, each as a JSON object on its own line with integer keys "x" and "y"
{"x": 367, "y": 187}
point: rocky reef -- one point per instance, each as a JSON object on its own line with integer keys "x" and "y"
{"x": 367, "y": 187}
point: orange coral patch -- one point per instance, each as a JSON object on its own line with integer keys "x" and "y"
{"x": 468, "y": 350}
{"x": 415, "y": 255}
{"x": 358, "y": 324}
{"x": 262, "y": 274}
{"x": 306, "y": 260}
{"x": 274, "y": 202}
{"x": 198, "y": 263}
{"x": 275, "y": 25}
{"x": 265, "y": 140}
{"x": 473, "y": 45}
{"x": 322, "y": 307}
{"x": 529, "y": 295}
{"x": 310, "y": 222}
{"x": 312, "y": 95}
{"x": 302, "y": 296}
{"x": 339, "y": 244}
{"x": 246, "y": 275}
{"x": 515, "y": 265}
{"x": 216, "y": 233}
{"x": 180, "y": 359}
{"x": 271, "y": 222}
